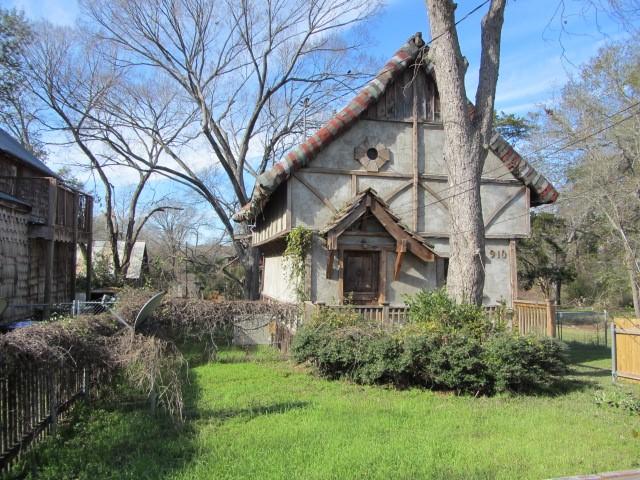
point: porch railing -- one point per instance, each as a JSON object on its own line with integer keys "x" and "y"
{"x": 537, "y": 318}
{"x": 53, "y": 203}
{"x": 374, "y": 313}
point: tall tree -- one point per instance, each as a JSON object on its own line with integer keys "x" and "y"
{"x": 602, "y": 167}
{"x": 18, "y": 112}
{"x": 246, "y": 67}
{"x": 542, "y": 258}
{"x": 467, "y": 132}
{"x": 86, "y": 100}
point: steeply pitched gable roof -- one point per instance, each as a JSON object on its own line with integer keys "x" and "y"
{"x": 542, "y": 190}
{"x": 136, "y": 262}
{"x": 368, "y": 200}
{"x": 10, "y": 145}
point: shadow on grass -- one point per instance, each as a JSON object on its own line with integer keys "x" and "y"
{"x": 581, "y": 377}
{"x": 117, "y": 439}
{"x": 222, "y": 415}
{"x": 111, "y": 443}
{"x": 114, "y": 438}
{"x": 587, "y": 352}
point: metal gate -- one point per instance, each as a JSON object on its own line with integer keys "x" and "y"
{"x": 584, "y": 326}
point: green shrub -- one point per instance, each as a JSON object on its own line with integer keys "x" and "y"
{"x": 444, "y": 346}
{"x": 436, "y": 311}
{"x": 524, "y": 364}
{"x": 458, "y": 365}
{"x": 378, "y": 359}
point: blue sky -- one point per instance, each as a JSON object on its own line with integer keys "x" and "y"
{"x": 535, "y": 61}
{"x": 536, "y": 57}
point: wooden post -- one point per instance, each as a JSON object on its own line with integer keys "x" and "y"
{"x": 385, "y": 312}
{"x": 85, "y": 383}
{"x": 50, "y": 248}
{"x": 614, "y": 359}
{"x": 416, "y": 168}
{"x": 513, "y": 267}
{"x": 89, "y": 228}
{"x": 53, "y": 404}
{"x": 551, "y": 318}
{"x": 74, "y": 252}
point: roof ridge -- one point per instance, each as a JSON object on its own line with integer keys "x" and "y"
{"x": 301, "y": 155}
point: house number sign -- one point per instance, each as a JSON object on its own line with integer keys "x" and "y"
{"x": 495, "y": 254}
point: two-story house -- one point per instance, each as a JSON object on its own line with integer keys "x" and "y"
{"x": 42, "y": 219}
{"x": 372, "y": 185}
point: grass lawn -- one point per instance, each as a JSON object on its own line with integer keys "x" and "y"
{"x": 268, "y": 419}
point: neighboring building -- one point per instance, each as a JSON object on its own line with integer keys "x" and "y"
{"x": 41, "y": 221}
{"x": 138, "y": 263}
{"x": 372, "y": 185}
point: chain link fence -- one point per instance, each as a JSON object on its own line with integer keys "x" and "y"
{"x": 37, "y": 312}
{"x": 584, "y": 326}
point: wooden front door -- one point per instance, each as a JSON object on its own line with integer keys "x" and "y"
{"x": 361, "y": 274}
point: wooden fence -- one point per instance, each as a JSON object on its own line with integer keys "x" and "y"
{"x": 31, "y": 402}
{"x": 625, "y": 348}
{"x": 374, "y": 313}
{"x": 537, "y": 318}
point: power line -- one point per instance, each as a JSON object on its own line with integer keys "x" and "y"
{"x": 628, "y": 117}
{"x": 464, "y": 17}
{"x": 606, "y": 117}
{"x": 564, "y": 147}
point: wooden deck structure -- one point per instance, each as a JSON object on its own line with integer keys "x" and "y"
{"x": 42, "y": 220}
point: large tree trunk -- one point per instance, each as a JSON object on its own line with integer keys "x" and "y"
{"x": 252, "y": 273}
{"x": 558, "y": 286}
{"x": 249, "y": 258}
{"x": 467, "y": 131}
{"x": 465, "y": 281}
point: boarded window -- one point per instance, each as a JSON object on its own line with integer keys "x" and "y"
{"x": 361, "y": 273}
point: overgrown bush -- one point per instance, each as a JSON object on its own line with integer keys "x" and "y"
{"x": 524, "y": 364}
{"x": 460, "y": 349}
{"x": 149, "y": 365}
{"x": 437, "y": 312}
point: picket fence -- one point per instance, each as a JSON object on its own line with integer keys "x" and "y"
{"x": 32, "y": 401}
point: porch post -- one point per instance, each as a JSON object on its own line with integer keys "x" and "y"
{"x": 89, "y": 229}
{"x": 551, "y": 318}
{"x": 385, "y": 312}
{"x": 50, "y": 248}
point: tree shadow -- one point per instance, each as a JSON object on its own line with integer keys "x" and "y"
{"x": 587, "y": 352}
{"x": 115, "y": 436}
{"x": 248, "y": 413}
{"x": 581, "y": 377}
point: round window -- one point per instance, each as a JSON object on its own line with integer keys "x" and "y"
{"x": 372, "y": 153}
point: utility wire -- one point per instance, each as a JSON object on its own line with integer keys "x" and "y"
{"x": 606, "y": 117}
{"x": 464, "y": 17}
{"x": 412, "y": 209}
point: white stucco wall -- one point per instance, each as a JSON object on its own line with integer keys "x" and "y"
{"x": 331, "y": 174}
{"x": 336, "y": 184}
{"x": 276, "y": 283}
{"x": 497, "y": 263}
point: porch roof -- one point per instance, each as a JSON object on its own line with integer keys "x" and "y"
{"x": 368, "y": 200}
